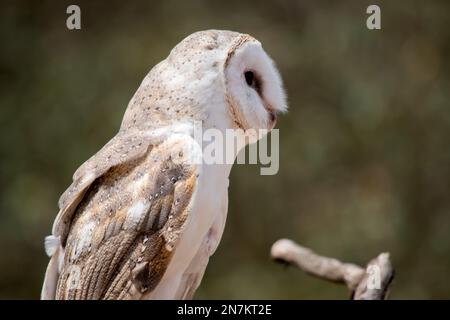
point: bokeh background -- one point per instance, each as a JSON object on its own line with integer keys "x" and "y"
{"x": 365, "y": 152}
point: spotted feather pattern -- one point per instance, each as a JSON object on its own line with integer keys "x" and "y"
{"x": 123, "y": 232}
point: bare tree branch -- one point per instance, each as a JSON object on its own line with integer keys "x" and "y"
{"x": 371, "y": 283}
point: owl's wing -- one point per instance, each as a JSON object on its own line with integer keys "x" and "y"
{"x": 124, "y": 147}
{"x": 120, "y": 220}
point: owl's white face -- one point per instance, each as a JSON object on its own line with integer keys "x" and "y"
{"x": 254, "y": 90}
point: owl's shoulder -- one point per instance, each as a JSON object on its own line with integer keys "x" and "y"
{"x": 128, "y": 152}
{"x": 130, "y": 217}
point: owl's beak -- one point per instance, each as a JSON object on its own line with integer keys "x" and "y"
{"x": 272, "y": 119}
{"x": 272, "y": 114}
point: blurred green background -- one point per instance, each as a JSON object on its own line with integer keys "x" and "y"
{"x": 365, "y": 152}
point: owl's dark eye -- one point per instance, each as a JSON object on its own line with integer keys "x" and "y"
{"x": 254, "y": 81}
{"x": 250, "y": 78}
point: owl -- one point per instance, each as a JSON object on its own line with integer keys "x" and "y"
{"x": 141, "y": 219}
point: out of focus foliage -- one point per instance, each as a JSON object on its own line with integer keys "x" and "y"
{"x": 365, "y": 147}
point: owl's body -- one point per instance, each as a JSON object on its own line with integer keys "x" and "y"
{"x": 141, "y": 218}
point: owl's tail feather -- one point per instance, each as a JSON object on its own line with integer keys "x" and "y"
{"x": 51, "y": 244}
{"x": 54, "y": 249}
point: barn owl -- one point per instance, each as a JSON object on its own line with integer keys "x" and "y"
{"x": 141, "y": 219}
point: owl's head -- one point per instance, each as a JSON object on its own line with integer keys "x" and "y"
{"x": 224, "y": 79}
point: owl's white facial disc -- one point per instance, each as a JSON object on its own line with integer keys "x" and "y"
{"x": 254, "y": 88}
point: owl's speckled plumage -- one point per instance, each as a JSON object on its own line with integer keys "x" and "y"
{"x": 159, "y": 102}
{"x": 140, "y": 220}
{"x": 109, "y": 224}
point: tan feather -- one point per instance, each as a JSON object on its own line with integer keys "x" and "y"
{"x": 119, "y": 242}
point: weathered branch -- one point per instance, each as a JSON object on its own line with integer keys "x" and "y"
{"x": 371, "y": 283}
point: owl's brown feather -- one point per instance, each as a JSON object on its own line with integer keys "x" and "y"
{"x": 124, "y": 147}
{"x": 121, "y": 236}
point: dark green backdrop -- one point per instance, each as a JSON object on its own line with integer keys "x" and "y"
{"x": 365, "y": 154}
